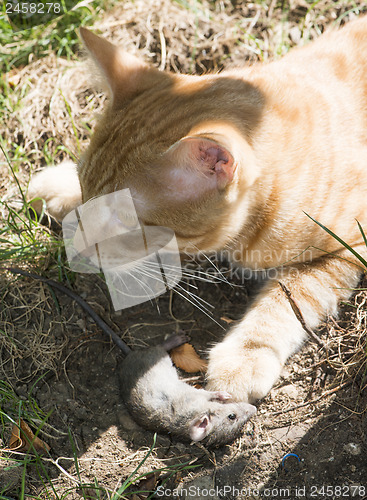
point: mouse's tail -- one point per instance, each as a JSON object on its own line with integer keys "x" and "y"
{"x": 88, "y": 309}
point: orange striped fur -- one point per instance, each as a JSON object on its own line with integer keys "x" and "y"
{"x": 234, "y": 160}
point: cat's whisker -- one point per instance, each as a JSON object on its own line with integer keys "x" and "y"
{"x": 155, "y": 268}
{"x": 151, "y": 265}
{"x": 204, "y": 277}
{"x": 150, "y": 292}
{"x": 197, "y": 301}
{"x": 186, "y": 273}
{"x": 197, "y": 298}
{"x": 204, "y": 311}
{"x": 220, "y": 277}
{"x": 201, "y": 275}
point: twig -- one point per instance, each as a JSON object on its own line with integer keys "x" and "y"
{"x": 323, "y": 395}
{"x": 299, "y": 316}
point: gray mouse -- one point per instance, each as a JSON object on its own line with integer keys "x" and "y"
{"x": 158, "y": 400}
{"x": 155, "y": 396}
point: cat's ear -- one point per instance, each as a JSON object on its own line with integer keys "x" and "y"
{"x": 199, "y": 164}
{"x": 125, "y": 74}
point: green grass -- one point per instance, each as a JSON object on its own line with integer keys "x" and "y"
{"x": 344, "y": 243}
{"x": 12, "y": 410}
{"x": 362, "y": 352}
{"x": 23, "y": 240}
{"x": 38, "y": 35}
{"x": 22, "y": 237}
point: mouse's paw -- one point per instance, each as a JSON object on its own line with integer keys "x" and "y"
{"x": 247, "y": 373}
{"x": 220, "y": 396}
{"x": 175, "y": 340}
{"x": 59, "y": 187}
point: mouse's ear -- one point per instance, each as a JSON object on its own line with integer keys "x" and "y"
{"x": 200, "y": 428}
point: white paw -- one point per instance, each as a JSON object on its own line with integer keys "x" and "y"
{"x": 247, "y": 374}
{"x": 59, "y": 187}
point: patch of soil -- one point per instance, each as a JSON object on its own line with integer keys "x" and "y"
{"x": 304, "y": 436}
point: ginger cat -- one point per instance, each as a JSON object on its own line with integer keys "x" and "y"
{"x": 234, "y": 160}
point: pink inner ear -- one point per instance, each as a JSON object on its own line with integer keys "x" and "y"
{"x": 212, "y": 159}
{"x": 204, "y": 423}
{"x": 200, "y": 428}
{"x": 197, "y": 165}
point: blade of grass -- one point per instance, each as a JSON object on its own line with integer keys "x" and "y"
{"x": 12, "y": 171}
{"x": 363, "y": 233}
{"x": 335, "y": 236}
{"x": 129, "y": 480}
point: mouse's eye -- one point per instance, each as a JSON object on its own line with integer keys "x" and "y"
{"x": 232, "y": 416}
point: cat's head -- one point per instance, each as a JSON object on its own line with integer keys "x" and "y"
{"x": 180, "y": 143}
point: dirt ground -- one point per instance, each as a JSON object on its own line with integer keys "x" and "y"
{"x": 308, "y": 439}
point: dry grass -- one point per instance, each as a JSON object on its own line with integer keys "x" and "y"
{"x": 57, "y": 109}
{"x": 29, "y": 335}
{"x": 349, "y": 342}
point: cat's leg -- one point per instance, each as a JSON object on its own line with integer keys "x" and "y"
{"x": 249, "y": 360}
{"x": 59, "y": 187}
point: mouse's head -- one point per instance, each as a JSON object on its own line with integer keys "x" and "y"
{"x": 221, "y": 424}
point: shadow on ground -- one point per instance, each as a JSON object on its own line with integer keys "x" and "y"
{"x": 88, "y": 420}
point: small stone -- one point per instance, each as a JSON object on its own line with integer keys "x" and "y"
{"x": 289, "y": 390}
{"x": 181, "y": 448}
{"x": 125, "y": 420}
{"x": 353, "y": 448}
{"x": 198, "y": 489}
{"x": 10, "y": 475}
{"x": 81, "y": 324}
{"x": 295, "y": 34}
{"x": 22, "y": 391}
{"x": 81, "y": 412}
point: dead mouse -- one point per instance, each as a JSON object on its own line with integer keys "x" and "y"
{"x": 155, "y": 396}
{"x": 158, "y": 400}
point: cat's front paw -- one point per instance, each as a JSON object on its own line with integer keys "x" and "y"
{"x": 247, "y": 373}
{"x": 60, "y": 188}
